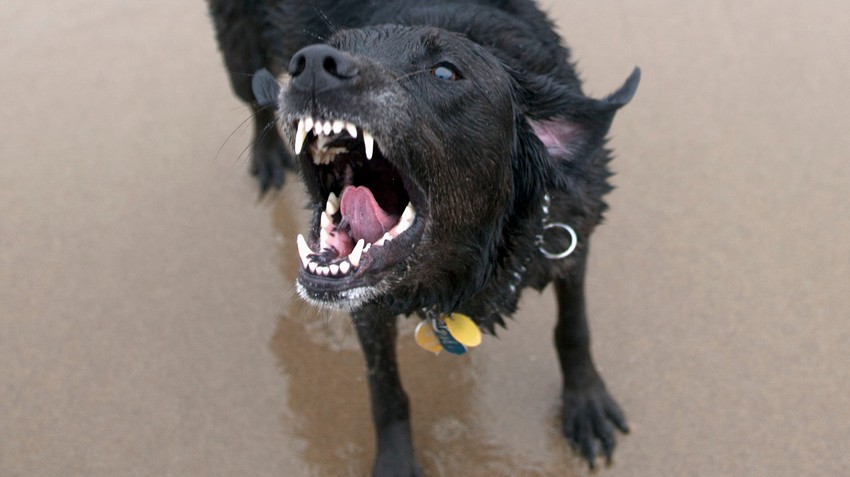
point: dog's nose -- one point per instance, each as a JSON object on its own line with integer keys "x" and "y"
{"x": 321, "y": 67}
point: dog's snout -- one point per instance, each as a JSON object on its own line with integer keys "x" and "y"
{"x": 321, "y": 67}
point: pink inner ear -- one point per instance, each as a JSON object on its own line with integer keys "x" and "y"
{"x": 557, "y": 135}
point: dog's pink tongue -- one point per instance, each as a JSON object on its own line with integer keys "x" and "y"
{"x": 368, "y": 221}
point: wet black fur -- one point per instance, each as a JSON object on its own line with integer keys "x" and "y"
{"x": 510, "y": 55}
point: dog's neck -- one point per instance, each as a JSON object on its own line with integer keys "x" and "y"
{"x": 518, "y": 272}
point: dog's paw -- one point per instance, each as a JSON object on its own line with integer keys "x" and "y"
{"x": 270, "y": 161}
{"x": 393, "y": 466}
{"x": 589, "y": 421}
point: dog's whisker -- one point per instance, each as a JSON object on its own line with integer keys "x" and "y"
{"x": 236, "y": 129}
{"x": 313, "y": 34}
{"x": 260, "y": 135}
{"x": 232, "y": 133}
{"x": 398, "y": 79}
{"x": 333, "y": 28}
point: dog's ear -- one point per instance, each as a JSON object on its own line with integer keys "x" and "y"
{"x": 266, "y": 88}
{"x": 568, "y": 123}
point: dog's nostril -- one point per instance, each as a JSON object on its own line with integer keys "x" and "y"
{"x": 297, "y": 65}
{"x": 329, "y": 65}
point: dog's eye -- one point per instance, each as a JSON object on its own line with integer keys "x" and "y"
{"x": 445, "y": 72}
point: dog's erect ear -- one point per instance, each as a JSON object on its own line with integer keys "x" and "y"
{"x": 266, "y": 88}
{"x": 569, "y": 123}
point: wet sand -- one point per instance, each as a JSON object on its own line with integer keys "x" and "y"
{"x": 147, "y": 316}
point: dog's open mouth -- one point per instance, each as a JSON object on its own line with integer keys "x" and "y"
{"x": 373, "y": 213}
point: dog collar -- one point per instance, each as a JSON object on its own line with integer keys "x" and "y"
{"x": 455, "y": 333}
{"x": 541, "y": 246}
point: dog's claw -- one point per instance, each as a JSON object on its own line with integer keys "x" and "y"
{"x": 587, "y": 423}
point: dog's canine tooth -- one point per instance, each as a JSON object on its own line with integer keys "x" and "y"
{"x": 369, "y": 143}
{"x": 354, "y": 256}
{"x": 352, "y": 130}
{"x": 300, "y": 136}
{"x": 405, "y": 221}
{"x": 344, "y": 267}
{"x": 323, "y": 238}
{"x": 333, "y": 204}
{"x": 303, "y": 250}
{"x": 326, "y": 219}
{"x": 337, "y": 126}
{"x": 409, "y": 213}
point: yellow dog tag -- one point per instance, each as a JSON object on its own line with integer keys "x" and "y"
{"x": 463, "y": 329}
{"x": 425, "y": 337}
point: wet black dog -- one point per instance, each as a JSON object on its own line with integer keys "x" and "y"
{"x": 452, "y": 160}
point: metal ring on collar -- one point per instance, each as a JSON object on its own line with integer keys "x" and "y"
{"x": 565, "y": 253}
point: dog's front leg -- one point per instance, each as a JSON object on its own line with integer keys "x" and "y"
{"x": 241, "y": 39}
{"x": 376, "y": 330}
{"x": 589, "y": 410}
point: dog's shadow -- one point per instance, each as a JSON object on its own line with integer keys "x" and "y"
{"x": 453, "y": 426}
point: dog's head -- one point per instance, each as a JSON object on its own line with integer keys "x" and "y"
{"x": 418, "y": 154}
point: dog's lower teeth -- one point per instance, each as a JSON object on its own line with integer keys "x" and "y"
{"x": 344, "y": 267}
{"x": 406, "y": 220}
{"x": 333, "y": 204}
{"x": 303, "y": 250}
{"x": 386, "y": 238}
{"x": 334, "y": 269}
{"x": 354, "y": 256}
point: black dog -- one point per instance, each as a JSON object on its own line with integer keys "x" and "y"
{"x": 451, "y": 159}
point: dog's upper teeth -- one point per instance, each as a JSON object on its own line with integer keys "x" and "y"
{"x": 369, "y": 144}
{"x": 352, "y": 130}
{"x": 300, "y": 136}
{"x": 323, "y": 130}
